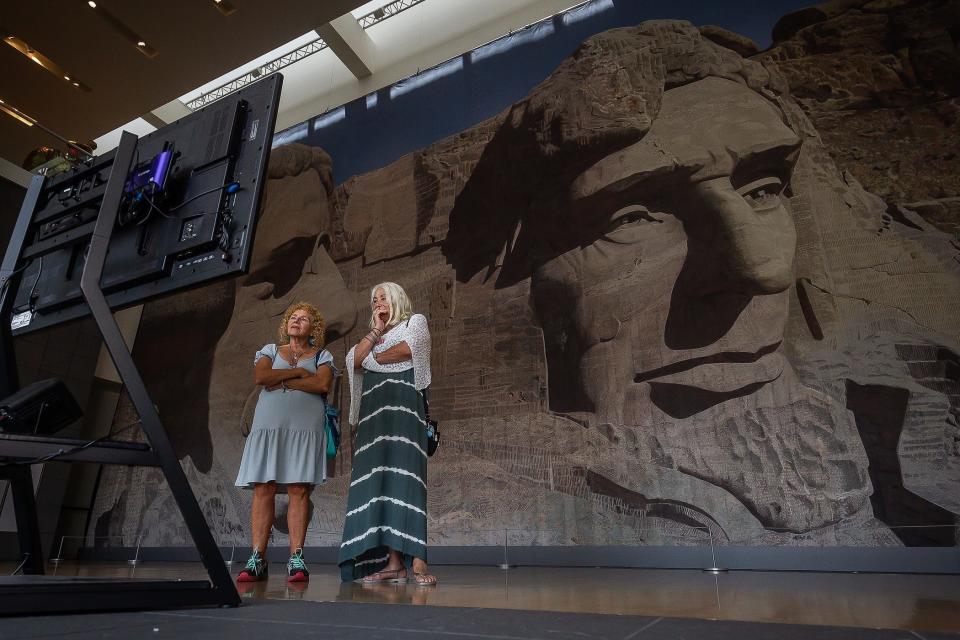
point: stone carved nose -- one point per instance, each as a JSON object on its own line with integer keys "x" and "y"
{"x": 604, "y": 327}
{"x": 756, "y": 248}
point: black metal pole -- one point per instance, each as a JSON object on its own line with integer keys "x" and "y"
{"x": 9, "y": 277}
{"x": 21, "y": 481}
{"x": 123, "y": 361}
{"x": 25, "y": 510}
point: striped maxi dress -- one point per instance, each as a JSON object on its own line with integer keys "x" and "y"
{"x": 387, "y": 501}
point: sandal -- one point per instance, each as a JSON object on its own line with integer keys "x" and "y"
{"x": 425, "y": 579}
{"x": 388, "y": 575}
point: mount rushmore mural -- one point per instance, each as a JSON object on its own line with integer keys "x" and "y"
{"x": 661, "y": 312}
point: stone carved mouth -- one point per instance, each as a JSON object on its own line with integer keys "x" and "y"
{"x": 683, "y": 389}
{"x": 724, "y": 357}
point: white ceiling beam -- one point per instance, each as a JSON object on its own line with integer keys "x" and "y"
{"x": 347, "y": 39}
{"x": 154, "y": 119}
{"x": 14, "y": 174}
{"x": 403, "y": 52}
{"x": 170, "y": 112}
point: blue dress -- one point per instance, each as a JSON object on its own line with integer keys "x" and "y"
{"x": 286, "y": 444}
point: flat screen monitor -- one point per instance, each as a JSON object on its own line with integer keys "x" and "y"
{"x": 187, "y": 215}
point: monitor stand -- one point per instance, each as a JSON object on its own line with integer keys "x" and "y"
{"x": 35, "y": 593}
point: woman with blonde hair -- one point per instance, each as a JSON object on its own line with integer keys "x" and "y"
{"x": 286, "y": 447}
{"x": 385, "y": 529}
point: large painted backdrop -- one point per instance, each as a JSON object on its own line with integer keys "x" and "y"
{"x": 662, "y": 312}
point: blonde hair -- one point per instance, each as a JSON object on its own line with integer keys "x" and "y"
{"x": 400, "y": 307}
{"x": 317, "y": 324}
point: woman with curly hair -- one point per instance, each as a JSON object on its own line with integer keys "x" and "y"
{"x": 286, "y": 448}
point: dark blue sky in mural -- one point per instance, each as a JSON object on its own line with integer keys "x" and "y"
{"x": 373, "y": 131}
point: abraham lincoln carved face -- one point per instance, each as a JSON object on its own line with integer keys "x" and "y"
{"x": 649, "y": 211}
{"x": 674, "y": 289}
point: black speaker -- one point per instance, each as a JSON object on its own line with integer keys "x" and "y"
{"x": 41, "y": 408}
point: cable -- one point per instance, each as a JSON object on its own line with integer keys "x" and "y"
{"x": 6, "y": 282}
{"x": 122, "y": 215}
{"x": 33, "y": 289}
{"x": 13, "y": 273}
{"x": 231, "y": 187}
{"x": 65, "y": 452}
{"x": 36, "y": 425}
{"x": 158, "y": 210}
{"x": 26, "y": 556}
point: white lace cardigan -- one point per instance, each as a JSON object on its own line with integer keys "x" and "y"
{"x": 417, "y": 336}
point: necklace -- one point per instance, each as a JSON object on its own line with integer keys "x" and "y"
{"x": 295, "y": 356}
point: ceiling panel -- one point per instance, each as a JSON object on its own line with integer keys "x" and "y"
{"x": 195, "y": 43}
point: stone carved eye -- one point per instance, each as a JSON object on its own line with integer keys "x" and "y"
{"x": 625, "y": 218}
{"x": 762, "y": 194}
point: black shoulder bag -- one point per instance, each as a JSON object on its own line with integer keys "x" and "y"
{"x": 433, "y": 428}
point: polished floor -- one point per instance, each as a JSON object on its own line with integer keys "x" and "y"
{"x": 266, "y": 618}
{"x": 876, "y": 601}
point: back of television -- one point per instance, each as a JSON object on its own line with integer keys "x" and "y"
{"x": 186, "y": 214}
{"x": 174, "y": 209}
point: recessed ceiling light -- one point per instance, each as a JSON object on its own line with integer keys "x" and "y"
{"x": 224, "y": 7}
{"x": 93, "y": 5}
{"x": 13, "y": 112}
{"x": 37, "y": 57}
{"x": 16, "y": 114}
{"x": 121, "y": 28}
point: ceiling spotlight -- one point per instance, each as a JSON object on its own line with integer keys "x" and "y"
{"x": 93, "y": 5}
{"x": 15, "y": 113}
{"x": 224, "y": 6}
{"x": 119, "y": 27}
{"x": 46, "y": 63}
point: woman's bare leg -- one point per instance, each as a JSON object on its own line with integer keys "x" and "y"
{"x": 395, "y": 561}
{"x": 298, "y": 514}
{"x": 262, "y": 515}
